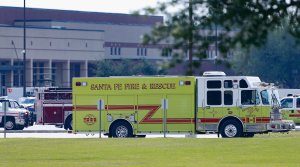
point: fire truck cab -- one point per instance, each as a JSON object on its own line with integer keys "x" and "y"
{"x": 54, "y": 107}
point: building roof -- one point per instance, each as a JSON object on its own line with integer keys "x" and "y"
{"x": 8, "y": 15}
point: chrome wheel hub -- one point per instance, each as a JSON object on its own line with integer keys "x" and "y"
{"x": 230, "y": 130}
{"x": 121, "y": 132}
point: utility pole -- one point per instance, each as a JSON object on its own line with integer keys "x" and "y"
{"x": 24, "y": 50}
{"x": 191, "y": 42}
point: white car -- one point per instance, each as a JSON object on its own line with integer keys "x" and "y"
{"x": 16, "y": 117}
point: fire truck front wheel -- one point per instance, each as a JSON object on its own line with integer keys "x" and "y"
{"x": 121, "y": 129}
{"x": 231, "y": 128}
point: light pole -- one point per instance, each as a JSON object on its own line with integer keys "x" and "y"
{"x": 24, "y": 50}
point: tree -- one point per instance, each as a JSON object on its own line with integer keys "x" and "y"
{"x": 244, "y": 23}
{"x": 277, "y": 61}
{"x": 124, "y": 67}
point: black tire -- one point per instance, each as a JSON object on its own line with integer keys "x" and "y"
{"x": 248, "y": 134}
{"x": 10, "y": 124}
{"x": 231, "y": 128}
{"x": 121, "y": 129}
{"x": 69, "y": 123}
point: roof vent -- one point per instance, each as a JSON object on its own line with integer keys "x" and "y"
{"x": 214, "y": 74}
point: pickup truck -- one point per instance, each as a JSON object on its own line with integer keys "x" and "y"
{"x": 16, "y": 117}
{"x": 290, "y": 108}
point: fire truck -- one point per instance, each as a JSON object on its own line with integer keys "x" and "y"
{"x": 290, "y": 108}
{"x": 54, "y": 107}
{"x": 233, "y": 106}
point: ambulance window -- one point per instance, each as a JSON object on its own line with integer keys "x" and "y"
{"x": 228, "y": 84}
{"x": 298, "y": 103}
{"x": 228, "y": 98}
{"x": 214, "y": 84}
{"x": 243, "y": 84}
{"x": 287, "y": 103}
{"x": 214, "y": 98}
{"x": 249, "y": 97}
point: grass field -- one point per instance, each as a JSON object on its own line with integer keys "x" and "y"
{"x": 262, "y": 150}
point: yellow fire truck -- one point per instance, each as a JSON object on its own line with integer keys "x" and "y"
{"x": 233, "y": 106}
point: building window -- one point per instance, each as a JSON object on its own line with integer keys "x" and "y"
{"x": 166, "y": 52}
{"x": 111, "y": 51}
{"x": 142, "y": 51}
{"x": 119, "y": 51}
{"x": 53, "y": 73}
{"x": 115, "y": 53}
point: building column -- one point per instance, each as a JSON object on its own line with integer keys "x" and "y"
{"x": 66, "y": 74}
{"x": 84, "y": 69}
{"x": 48, "y": 73}
{"x": 29, "y": 73}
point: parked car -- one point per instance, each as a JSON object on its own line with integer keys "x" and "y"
{"x": 28, "y": 104}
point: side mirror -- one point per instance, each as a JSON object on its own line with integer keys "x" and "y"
{"x": 21, "y": 106}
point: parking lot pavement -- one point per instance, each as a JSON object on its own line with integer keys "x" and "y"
{"x": 50, "y": 131}
{"x": 36, "y": 131}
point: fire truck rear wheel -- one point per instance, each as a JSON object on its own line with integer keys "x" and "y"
{"x": 231, "y": 128}
{"x": 10, "y": 124}
{"x": 69, "y": 123}
{"x": 121, "y": 130}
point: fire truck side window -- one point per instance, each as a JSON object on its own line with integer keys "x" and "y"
{"x": 287, "y": 103}
{"x": 214, "y": 98}
{"x": 214, "y": 84}
{"x": 243, "y": 84}
{"x": 228, "y": 84}
{"x": 228, "y": 98}
{"x": 265, "y": 97}
{"x": 298, "y": 103}
{"x": 249, "y": 97}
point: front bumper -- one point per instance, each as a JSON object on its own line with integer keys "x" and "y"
{"x": 281, "y": 126}
{"x": 21, "y": 122}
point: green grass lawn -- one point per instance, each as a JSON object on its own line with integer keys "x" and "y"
{"x": 263, "y": 150}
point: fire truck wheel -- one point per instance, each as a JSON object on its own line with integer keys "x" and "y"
{"x": 122, "y": 130}
{"x": 69, "y": 123}
{"x": 231, "y": 128}
{"x": 10, "y": 124}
